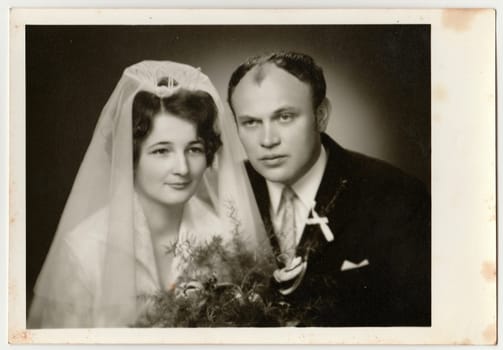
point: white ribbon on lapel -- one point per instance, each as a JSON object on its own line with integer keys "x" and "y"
{"x": 322, "y": 221}
{"x": 295, "y": 271}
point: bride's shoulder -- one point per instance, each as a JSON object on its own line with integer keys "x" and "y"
{"x": 82, "y": 248}
{"x": 88, "y": 238}
{"x": 92, "y": 228}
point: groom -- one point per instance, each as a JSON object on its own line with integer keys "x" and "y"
{"x": 351, "y": 234}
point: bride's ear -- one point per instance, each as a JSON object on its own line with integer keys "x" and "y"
{"x": 323, "y": 114}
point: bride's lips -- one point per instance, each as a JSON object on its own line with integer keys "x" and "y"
{"x": 273, "y": 160}
{"x": 179, "y": 185}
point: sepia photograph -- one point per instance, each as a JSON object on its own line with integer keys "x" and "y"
{"x": 280, "y": 176}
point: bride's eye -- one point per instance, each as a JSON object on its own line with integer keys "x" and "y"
{"x": 196, "y": 150}
{"x": 160, "y": 151}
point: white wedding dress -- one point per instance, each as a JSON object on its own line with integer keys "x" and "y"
{"x": 84, "y": 252}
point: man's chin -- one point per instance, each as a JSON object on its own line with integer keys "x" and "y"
{"x": 274, "y": 175}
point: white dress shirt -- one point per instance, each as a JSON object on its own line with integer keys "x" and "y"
{"x": 305, "y": 190}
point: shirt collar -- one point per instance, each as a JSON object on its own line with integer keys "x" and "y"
{"x": 305, "y": 188}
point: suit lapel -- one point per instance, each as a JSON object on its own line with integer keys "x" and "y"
{"x": 333, "y": 183}
{"x": 263, "y": 201}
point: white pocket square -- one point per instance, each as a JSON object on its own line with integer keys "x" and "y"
{"x": 348, "y": 265}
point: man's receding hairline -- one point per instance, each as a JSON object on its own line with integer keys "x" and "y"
{"x": 257, "y": 73}
{"x": 260, "y": 72}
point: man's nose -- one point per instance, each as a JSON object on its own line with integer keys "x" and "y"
{"x": 181, "y": 166}
{"x": 269, "y": 137}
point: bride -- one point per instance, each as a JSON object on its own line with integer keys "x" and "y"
{"x": 145, "y": 184}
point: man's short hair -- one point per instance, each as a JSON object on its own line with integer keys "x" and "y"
{"x": 300, "y": 65}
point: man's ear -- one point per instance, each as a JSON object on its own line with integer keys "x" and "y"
{"x": 322, "y": 114}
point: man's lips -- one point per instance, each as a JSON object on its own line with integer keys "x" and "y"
{"x": 273, "y": 160}
{"x": 273, "y": 157}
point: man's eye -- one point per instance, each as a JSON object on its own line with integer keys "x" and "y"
{"x": 250, "y": 123}
{"x": 285, "y": 117}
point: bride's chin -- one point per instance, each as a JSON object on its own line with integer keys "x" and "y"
{"x": 178, "y": 197}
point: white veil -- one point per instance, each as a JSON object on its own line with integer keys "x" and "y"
{"x": 105, "y": 182}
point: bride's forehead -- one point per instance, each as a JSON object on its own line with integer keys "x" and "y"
{"x": 170, "y": 126}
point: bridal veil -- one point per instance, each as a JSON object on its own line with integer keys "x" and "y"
{"x": 105, "y": 180}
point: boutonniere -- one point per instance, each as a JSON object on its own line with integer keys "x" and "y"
{"x": 291, "y": 275}
{"x": 322, "y": 221}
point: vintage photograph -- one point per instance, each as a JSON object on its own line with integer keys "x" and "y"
{"x": 130, "y": 225}
{"x": 274, "y": 176}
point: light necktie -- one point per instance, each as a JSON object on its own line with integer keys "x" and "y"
{"x": 287, "y": 235}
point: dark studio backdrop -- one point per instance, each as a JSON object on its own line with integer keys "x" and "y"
{"x": 378, "y": 80}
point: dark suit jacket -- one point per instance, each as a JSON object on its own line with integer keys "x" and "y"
{"x": 378, "y": 213}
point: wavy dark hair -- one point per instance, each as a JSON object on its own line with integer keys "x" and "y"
{"x": 194, "y": 105}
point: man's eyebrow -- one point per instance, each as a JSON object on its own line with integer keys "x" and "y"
{"x": 285, "y": 109}
{"x": 275, "y": 113}
{"x": 244, "y": 116}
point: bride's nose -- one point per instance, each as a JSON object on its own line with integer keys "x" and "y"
{"x": 181, "y": 166}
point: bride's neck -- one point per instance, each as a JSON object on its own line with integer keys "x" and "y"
{"x": 163, "y": 220}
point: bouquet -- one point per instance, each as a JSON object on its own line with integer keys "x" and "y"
{"x": 222, "y": 285}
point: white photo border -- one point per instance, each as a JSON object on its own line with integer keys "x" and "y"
{"x": 463, "y": 178}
